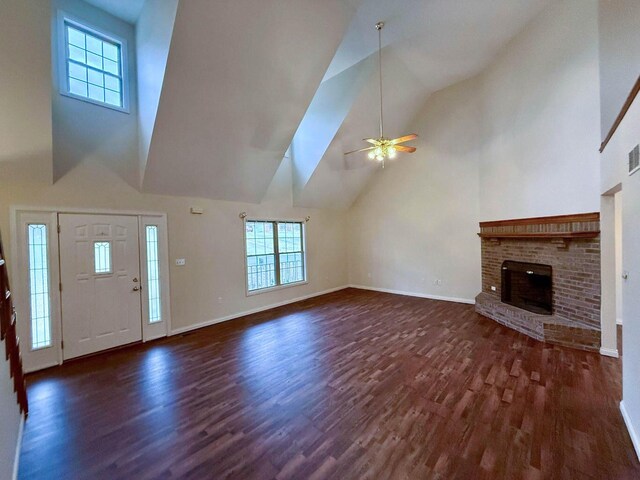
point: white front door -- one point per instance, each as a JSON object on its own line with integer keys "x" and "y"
{"x": 100, "y": 276}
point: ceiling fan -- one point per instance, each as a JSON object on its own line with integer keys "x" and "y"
{"x": 384, "y": 148}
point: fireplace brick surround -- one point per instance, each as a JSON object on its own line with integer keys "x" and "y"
{"x": 570, "y": 244}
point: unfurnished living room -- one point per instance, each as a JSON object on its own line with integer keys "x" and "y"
{"x": 319, "y": 239}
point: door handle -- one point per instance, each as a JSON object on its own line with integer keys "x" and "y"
{"x": 136, "y": 288}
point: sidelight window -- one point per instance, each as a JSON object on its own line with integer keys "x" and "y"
{"x": 153, "y": 274}
{"x": 39, "y": 286}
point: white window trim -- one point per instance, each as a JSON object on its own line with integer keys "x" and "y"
{"x": 39, "y": 358}
{"x": 151, "y": 331}
{"x": 63, "y": 77}
{"x": 250, "y": 293}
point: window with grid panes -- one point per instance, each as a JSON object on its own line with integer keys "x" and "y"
{"x": 94, "y": 66}
{"x": 274, "y": 253}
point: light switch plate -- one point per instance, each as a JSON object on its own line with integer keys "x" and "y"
{"x": 180, "y": 262}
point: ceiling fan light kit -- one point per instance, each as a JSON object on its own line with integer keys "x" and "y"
{"x": 384, "y": 148}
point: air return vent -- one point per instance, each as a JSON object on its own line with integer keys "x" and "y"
{"x": 634, "y": 160}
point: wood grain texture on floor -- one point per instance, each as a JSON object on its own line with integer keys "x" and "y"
{"x": 350, "y": 385}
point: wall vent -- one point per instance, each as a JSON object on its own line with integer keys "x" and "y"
{"x": 634, "y": 160}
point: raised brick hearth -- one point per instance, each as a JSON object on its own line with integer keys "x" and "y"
{"x": 570, "y": 244}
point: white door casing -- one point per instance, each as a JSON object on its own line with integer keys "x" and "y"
{"x": 100, "y": 310}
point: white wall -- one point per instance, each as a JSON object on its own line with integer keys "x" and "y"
{"x": 519, "y": 140}
{"x": 614, "y": 162}
{"x": 416, "y": 223}
{"x": 154, "y": 30}
{"x": 82, "y": 130}
{"x": 25, "y": 153}
{"x": 25, "y": 99}
{"x": 542, "y": 118}
{"x": 619, "y": 56}
{"x": 211, "y": 243}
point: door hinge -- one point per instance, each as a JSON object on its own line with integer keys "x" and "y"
{"x": 58, "y": 228}
{"x": 62, "y": 344}
{"x": 60, "y": 286}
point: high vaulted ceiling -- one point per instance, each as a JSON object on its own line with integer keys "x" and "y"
{"x": 247, "y": 80}
{"x": 127, "y": 10}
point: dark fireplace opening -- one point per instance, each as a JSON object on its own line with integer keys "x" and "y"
{"x": 527, "y": 286}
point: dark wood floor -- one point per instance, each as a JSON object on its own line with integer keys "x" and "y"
{"x": 350, "y": 385}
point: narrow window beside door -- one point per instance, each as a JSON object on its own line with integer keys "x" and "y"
{"x": 39, "y": 286}
{"x": 153, "y": 274}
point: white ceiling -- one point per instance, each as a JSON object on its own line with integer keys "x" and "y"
{"x": 127, "y": 10}
{"x": 427, "y": 45}
{"x": 241, "y": 75}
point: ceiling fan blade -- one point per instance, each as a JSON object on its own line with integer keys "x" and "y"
{"x": 406, "y": 138}
{"x": 402, "y": 148}
{"x": 361, "y": 150}
{"x": 371, "y": 140}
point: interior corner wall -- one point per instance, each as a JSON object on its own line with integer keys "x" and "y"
{"x": 542, "y": 118}
{"x": 519, "y": 140}
{"x": 83, "y": 131}
{"x": 414, "y": 228}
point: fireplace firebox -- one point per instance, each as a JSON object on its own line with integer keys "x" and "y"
{"x": 527, "y": 286}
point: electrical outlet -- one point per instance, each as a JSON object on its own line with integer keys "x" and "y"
{"x": 369, "y": 275}
{"x": 493, "y": 288}
{"x": 180, "y": 262}
{"x": 437, "y": 282}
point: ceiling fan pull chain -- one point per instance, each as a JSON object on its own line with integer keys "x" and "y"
{"x": 379, "y": 26}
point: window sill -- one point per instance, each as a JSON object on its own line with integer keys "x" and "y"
{"x": 277, "y": 287}
{"x": 94, "y": 102}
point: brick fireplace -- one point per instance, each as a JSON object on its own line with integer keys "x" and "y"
{"x": 569, "y": 246}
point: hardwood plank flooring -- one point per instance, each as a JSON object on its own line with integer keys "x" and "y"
{"x": 350, "y": 385}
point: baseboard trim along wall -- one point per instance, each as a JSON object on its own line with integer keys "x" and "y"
{"x": 635, "y": 439}
{"x": 609, "y": 352}
{"x": 16, "y": 460}
{"x": 208, "y": 323}
{"x": 415, "y": 294}
{"x": 214, "y": 321}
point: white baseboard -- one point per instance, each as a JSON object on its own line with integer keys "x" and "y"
{"x": 16, "y": 459}
{"x": 618, "y": 321}
{"x": 609, "y": 352}
{"x": 414, "y": 294}
{"x": 208, "y": 323}
{"x": 635, "y": 439}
